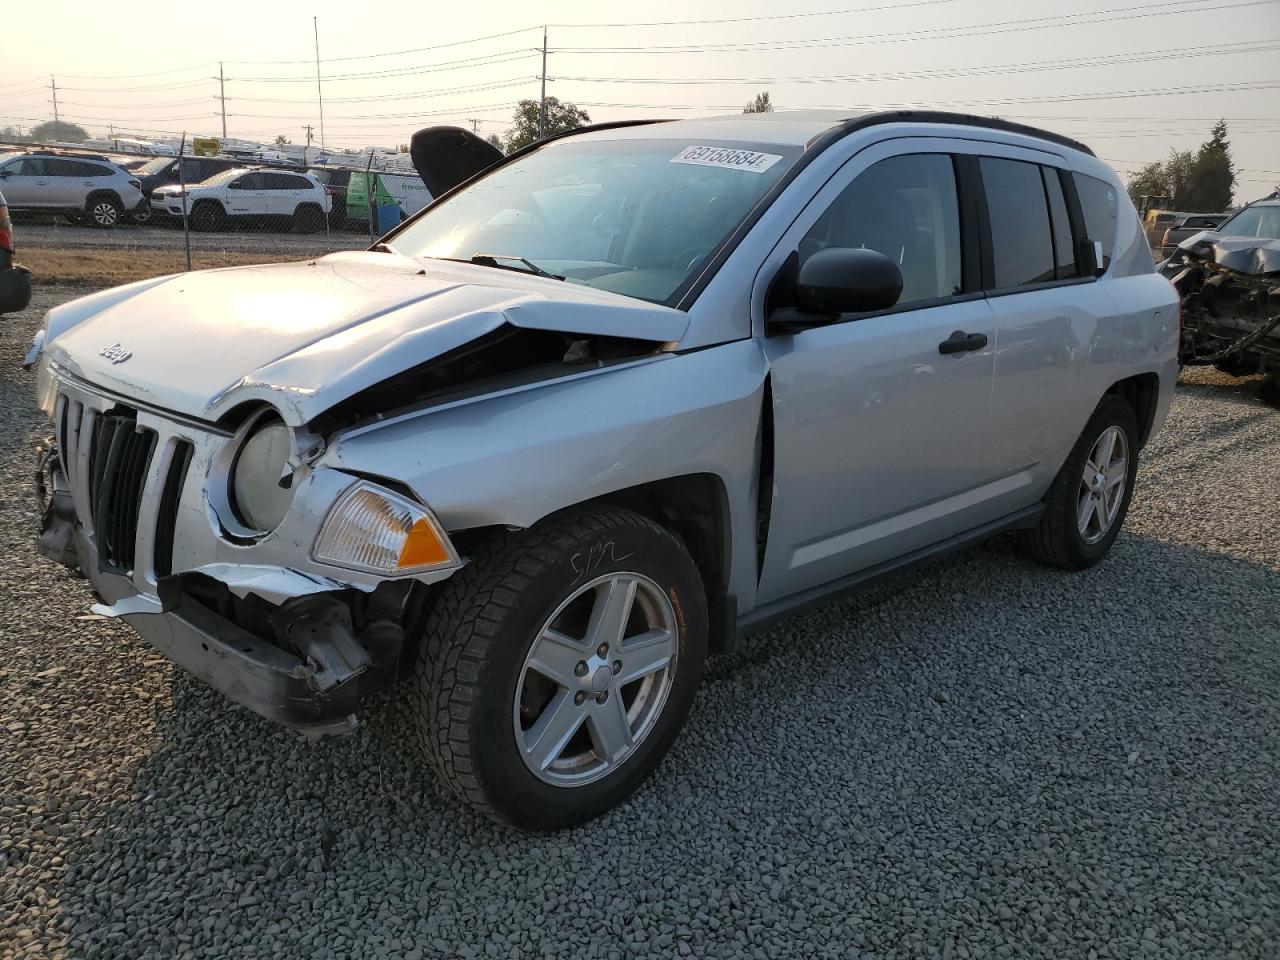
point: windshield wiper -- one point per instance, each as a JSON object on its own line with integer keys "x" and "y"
{"x": 493, "y": 260}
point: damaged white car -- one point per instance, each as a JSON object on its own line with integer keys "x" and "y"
{"x": 598, "y": 411}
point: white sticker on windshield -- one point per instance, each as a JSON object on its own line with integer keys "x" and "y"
{"x": 728, "y": 158}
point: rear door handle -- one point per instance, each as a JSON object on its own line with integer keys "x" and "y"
{"x": 961, "y": 342}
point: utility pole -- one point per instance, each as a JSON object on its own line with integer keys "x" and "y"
{"x": 474, "y": 124}
{"x": 315, "y": 24}
{"x": 53, "y": 85}
{"x": 222, "y": 96}
{"x": 542, "y": 103}
{"x": 306, "y": 153}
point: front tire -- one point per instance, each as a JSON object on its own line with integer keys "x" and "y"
{"x": 559, "y": 666}
{"x": 308, "y": 219}
{"x": 1090, "y": 496}
{"x": 207, "y": 216}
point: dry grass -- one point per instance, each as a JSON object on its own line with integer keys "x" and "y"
{"x": 62, "y": 265}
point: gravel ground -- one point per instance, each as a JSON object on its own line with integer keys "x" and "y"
{"x": 982, "y": 759}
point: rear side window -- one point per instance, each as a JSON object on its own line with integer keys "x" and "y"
{"x": 1021, "y": 233}
{"x": 283, "y": 181}
{"x": 906, "y": 208}
{"x": 60, "y": 168}
{"x": 1098, "y": 202}
{"x": 93, "y": 170}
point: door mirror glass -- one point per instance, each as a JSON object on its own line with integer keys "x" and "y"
{"x": 847, "y": 280}
{"x": 235, "y": 185}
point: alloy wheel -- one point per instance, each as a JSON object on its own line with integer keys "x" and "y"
{"x": 1102, "y": 485}
{"x": 596, "y": 679}
{"x": 104, "y": 214}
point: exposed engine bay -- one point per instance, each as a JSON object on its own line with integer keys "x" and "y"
{"x": 1230, "y": 291}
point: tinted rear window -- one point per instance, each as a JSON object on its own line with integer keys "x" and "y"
{"x": 1099, "y": 202}
{"x": 1021, "y": 235}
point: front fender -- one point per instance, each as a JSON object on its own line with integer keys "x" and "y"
{"x": 515, "y": 457}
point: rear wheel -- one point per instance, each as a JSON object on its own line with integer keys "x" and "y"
{"x": 207, "y": 216}
{"x": 308, "y": 219}
{"x": 103, "y": 211}
{"x": 1090, "y": 496}
{"x": 560, "y": 665}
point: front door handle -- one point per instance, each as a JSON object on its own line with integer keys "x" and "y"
{"x": 961, "y": 342}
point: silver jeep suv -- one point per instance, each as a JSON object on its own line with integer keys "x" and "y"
{"x": 598, "y": 411}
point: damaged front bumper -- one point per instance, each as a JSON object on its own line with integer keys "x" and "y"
{"x": 1230, "y": 298}
{"x": 303, "y": 665}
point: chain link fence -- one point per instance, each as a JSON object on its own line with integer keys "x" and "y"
{"x": 129, "y": 217}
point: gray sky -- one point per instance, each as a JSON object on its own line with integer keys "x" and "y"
{"x": 391, "y": 68}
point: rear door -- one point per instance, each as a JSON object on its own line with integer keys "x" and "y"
{"x": 1051, "y": 322}
{"x": 880, "y": 438}
{"x": 67, "y": 182}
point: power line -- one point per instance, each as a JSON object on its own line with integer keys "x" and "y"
{"x": 487, "y": 60}
{"x": 1248, "y": 46}
{"x": 767, "y": 16}
{"x": 986, "y": 29}
{"x": 391, "y": 53}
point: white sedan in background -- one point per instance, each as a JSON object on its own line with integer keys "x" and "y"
{"x": 296, "y": 198}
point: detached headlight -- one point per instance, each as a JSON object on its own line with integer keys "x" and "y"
{"x": 377, "y": 531}
{"x": 259, "y": 500}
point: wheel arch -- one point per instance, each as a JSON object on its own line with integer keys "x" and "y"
{"x": 1142, "y": 393}
{"x": 696, "y": 508}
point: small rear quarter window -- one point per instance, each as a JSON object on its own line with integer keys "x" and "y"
{"x": 1100, "y": 205}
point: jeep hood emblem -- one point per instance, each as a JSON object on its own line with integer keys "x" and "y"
{"x": 116, "y": 353}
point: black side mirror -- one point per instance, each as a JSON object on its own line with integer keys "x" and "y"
{"x": 836, "y": 281}
{"x": 235, "y": 185}
{"x": 6, "y": 174}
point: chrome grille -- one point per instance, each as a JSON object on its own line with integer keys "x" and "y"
{"x": 117, "y": 472}
{"x": 106, "y": 455}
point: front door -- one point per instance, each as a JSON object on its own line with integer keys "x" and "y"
{"x": 27, "y": 184}
{"x": 248, "y": 196}
{"x": 879, "y": 434}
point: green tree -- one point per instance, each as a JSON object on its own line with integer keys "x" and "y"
{"x": 761, "y": 104}
{"x": 524, "y": 122}
{"x": 61, "y": 131}
{"x": 1214, "y": 175}
{"x": 494, "y": 141}
{"x": 281, "y": 140}
{"x": 1196, "y": 182}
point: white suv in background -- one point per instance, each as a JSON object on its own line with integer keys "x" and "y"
{"x": 85, "y": 188}
{"x": 296, "y": 198}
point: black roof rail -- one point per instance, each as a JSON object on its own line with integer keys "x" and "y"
{"x": 962, "y": 119}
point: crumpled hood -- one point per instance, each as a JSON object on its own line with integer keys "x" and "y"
{"x": 304, "y": 336}
{"x": 1249, "y": 255}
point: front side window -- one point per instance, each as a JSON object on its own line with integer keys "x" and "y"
{"x": 1100, "y": 205}
{"x": 1021, "y": 234}
{"x": 634, "y": 216}
{"x": 906, "y": 208}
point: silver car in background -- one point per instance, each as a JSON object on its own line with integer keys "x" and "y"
{"x": 83, "y": 187}
{"x": 597, "y": 412}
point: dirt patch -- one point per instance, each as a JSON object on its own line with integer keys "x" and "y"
{"x": 51, "y": 265}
